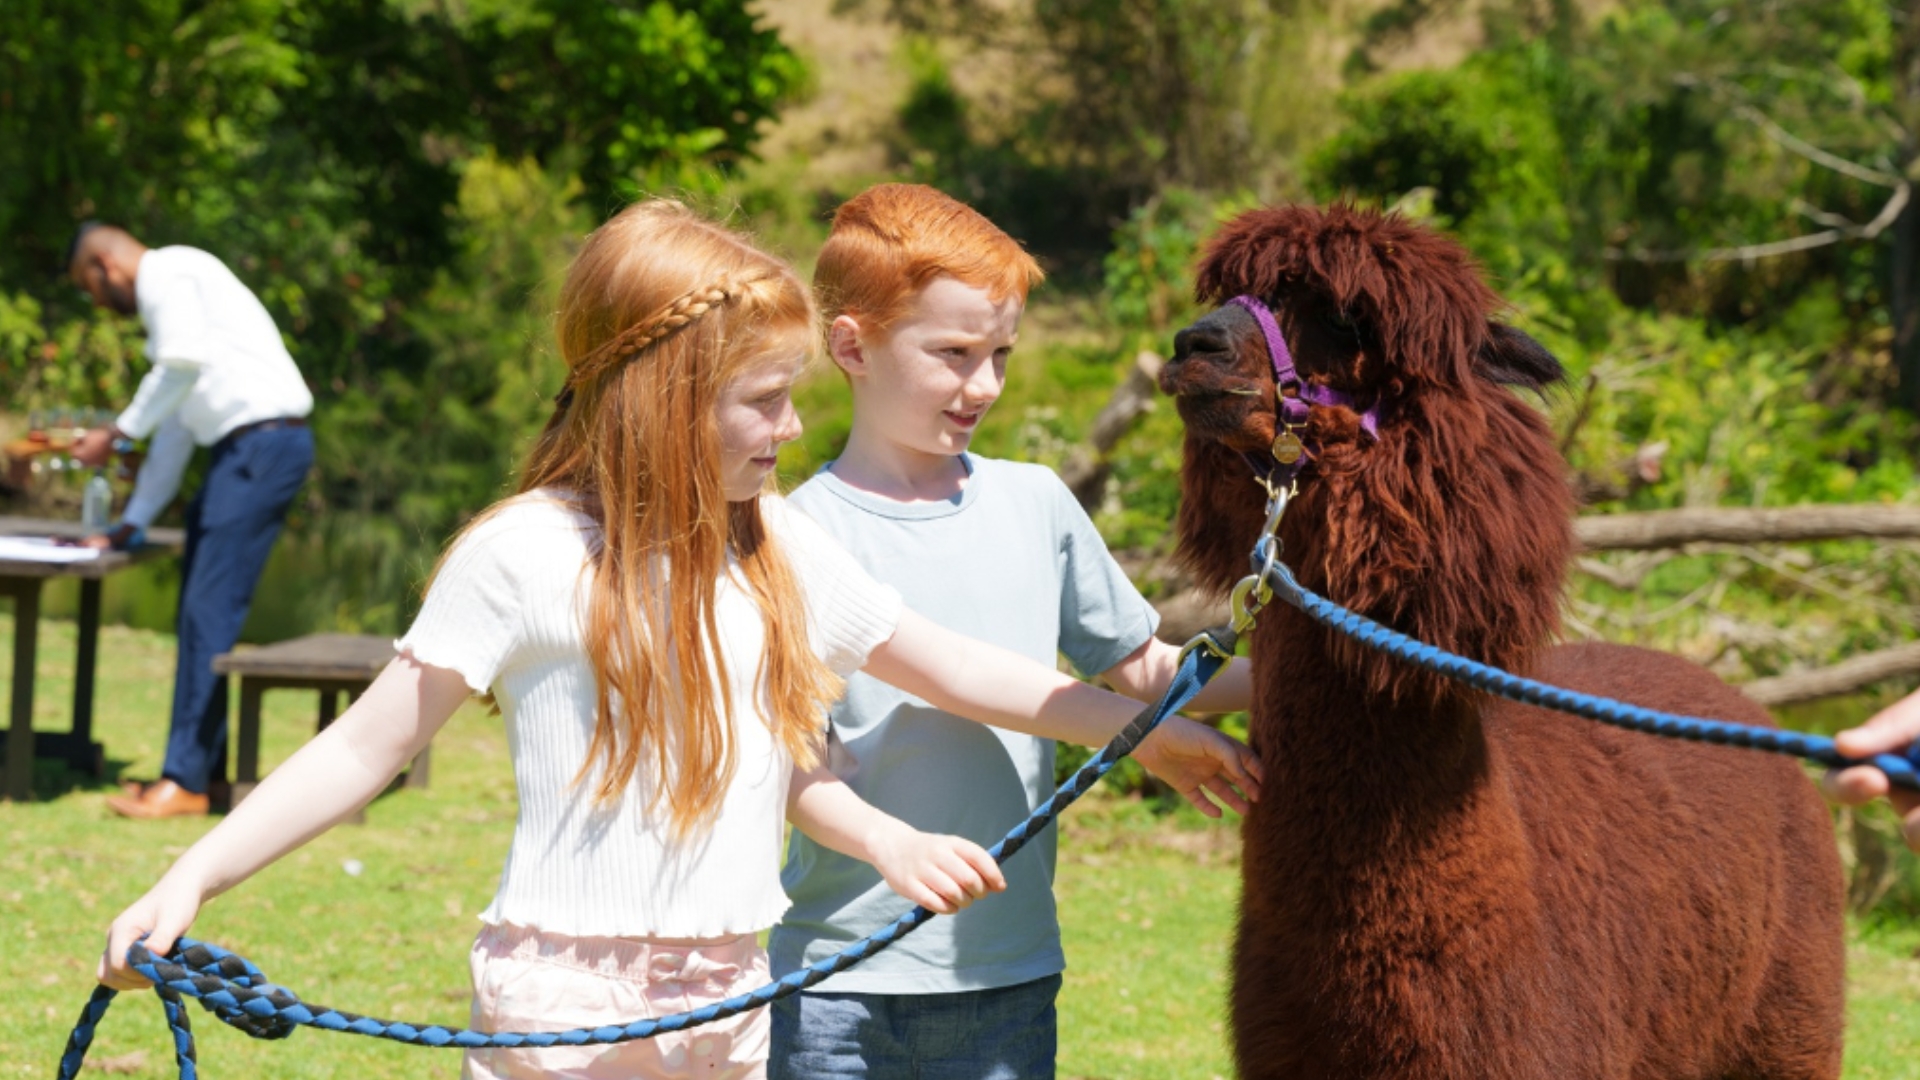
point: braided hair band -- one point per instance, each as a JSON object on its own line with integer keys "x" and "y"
{"x": 624, "y": 346}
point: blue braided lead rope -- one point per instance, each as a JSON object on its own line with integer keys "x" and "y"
{"x": 235, "y": 991}
{"x": 1900, "y": 770}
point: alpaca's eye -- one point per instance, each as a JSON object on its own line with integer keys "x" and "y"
{"x": 1339, "y": 321}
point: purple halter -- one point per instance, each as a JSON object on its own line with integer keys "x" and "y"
{"x": 1292, "y": 408}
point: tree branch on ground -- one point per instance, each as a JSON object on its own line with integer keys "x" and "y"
{"x": 1656, "y": 529}
{"x": 1089, "y": 465}
{"x": 1185, "y": 611}
{"x": 1845, "y": 677}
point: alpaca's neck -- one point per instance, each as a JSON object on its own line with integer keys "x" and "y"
{"x": 1366, "y": 792}
{"x": 1331, "y": 729}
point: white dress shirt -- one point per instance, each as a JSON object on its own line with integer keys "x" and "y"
{"x": 218, "y": 364}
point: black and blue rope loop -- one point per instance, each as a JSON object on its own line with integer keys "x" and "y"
{"x": 1902, "y": 770}
{"x": 236, "y": 992}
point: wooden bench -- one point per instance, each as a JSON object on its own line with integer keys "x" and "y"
{"x": 333, "y": 664}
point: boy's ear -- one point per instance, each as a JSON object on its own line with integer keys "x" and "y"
{"x": 843, "y": 344}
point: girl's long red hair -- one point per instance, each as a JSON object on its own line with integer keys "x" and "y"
{"x": 661, "y": 310}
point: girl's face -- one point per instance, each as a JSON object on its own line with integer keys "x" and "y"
{"x": 755, "y": 414}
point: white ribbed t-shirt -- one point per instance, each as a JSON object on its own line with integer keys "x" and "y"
{"x": 505, "y": 612}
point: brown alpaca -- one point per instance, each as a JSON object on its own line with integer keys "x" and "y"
{"x": 1438, "y": 883}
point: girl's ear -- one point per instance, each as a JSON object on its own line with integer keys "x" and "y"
{"x": 843, "y": 344}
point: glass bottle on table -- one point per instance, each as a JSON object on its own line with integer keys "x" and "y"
{"x": 96, "y": 503}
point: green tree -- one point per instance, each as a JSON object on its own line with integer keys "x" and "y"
{"x": 1693, "y": 156}
{"x": 351, "y": 159}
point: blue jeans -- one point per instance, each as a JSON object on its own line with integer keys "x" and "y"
{"x": 232, "y": 523}
{"x": 1007, "y": 1033}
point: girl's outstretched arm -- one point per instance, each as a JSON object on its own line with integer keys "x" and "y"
{"x": 982, "y": 682}
{"x": 335, "y": 774}
{"x": 940, "y": 873}
{"x": 1147, "y": 671}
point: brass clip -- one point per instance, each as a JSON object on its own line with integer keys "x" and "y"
{"x": 1249, "y": 596}
{"x": 1277, "y": 499}
{"x": 1218, "y": 640}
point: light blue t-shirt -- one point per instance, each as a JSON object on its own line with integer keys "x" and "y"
{"x": 1014, "y": 561}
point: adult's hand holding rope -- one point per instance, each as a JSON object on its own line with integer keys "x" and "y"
{"x": 1893, "y": 729}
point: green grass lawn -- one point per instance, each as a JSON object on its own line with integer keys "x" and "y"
{"x": 1147, "y": 903}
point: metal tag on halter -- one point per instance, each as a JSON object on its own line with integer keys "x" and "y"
{"x": 1287, "y": 448}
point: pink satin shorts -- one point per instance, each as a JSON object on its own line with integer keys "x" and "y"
{"x": 527, "y": 980}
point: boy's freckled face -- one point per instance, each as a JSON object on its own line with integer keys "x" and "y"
{"x": 926, "y": 383}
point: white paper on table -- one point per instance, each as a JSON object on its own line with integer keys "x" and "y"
{"x": 43, "y": 549}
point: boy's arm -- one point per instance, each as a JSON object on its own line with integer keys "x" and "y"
{"x": 1145, "y": 673}
{"x": 940, "y": 873}
{"x": 1101, "y": 612}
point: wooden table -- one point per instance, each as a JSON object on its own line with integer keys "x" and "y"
{"x": 333, "y": 664}
{"x": 23, "y": 580}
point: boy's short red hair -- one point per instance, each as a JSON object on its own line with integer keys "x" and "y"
{"x": 890, "y": 240}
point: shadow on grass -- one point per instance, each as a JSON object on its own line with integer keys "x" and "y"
{"x": 54, "y": 778}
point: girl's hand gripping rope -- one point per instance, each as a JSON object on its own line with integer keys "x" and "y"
{"x": 159, "y": 917}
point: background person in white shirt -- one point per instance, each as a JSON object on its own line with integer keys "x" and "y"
{"x": 221, "y": 378}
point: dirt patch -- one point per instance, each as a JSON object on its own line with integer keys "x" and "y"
{"x": 836, "y": 134}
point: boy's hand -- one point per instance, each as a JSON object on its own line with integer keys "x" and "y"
{"x": 162, "y": 916}
{"x": 940, "y": 873}
{"x": 1195, "y": 759}
{"x": 1887, "y": 732}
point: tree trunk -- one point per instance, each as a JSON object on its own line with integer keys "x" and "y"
{"x": 1905, "y": 292}
{"x": 1088, "y": 467}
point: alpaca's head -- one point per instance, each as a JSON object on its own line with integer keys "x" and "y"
{"x": 1453, "y": 523}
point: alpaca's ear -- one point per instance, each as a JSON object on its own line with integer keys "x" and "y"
{"x": 1511, "y": 358}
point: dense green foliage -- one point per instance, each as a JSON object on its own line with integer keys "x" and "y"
{"x": 1605, "y": 170}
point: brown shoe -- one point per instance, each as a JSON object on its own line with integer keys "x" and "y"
{"x": 219, "y": 793}
{"x": 162, "y": 800}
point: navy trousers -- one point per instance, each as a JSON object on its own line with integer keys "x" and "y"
{"x": 232, "y": 523}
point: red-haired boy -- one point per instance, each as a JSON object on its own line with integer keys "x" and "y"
{"x": 925, "y": 297}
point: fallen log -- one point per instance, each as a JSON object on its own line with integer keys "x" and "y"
{"x": 1185, "y": 613}
{"x": 1653, "y": 530}
{"x": 1845, "y": 677}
